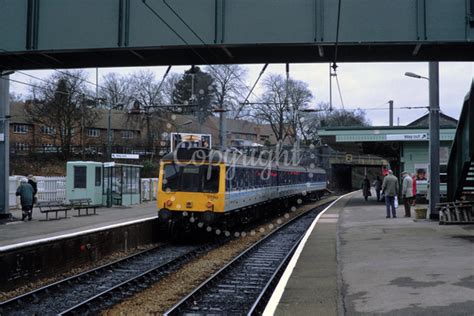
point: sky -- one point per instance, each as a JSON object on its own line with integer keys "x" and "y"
{"x": 367, "y": 86}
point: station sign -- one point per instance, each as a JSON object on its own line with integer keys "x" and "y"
{"x": 109, "y": 164}
{"x": 125, "y": 156}
{"x": 408, "y": 137}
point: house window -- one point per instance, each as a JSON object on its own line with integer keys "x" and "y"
{"x": 22, "y": 147}
{"x": 48, "y": 148}
{"x": 65, "y": 130}
{"x": 93, "y": 132}
{"x": 264, "y": 137}
{"x": 127, "y": 134}
{"x": 20, "y": 128}
{"x": 46, "y": 130}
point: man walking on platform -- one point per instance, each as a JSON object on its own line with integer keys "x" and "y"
{"x": 26, "y": 193}
{"x": 390, "y": 190}
{"x": 407, "y": 192}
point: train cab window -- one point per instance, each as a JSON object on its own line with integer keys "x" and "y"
{"x": 191, "y": 178}
{"x": 210, "y": 179}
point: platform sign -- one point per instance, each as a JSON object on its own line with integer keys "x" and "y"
{"x": 125, "y": 156}
{"x": 408, "y": 137}
{"x": 192, "y": 140}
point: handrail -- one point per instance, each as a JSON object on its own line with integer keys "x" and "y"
{"x": 462, "y": 149}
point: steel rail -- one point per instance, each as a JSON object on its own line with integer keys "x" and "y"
{"x": 17, "y": 303}
{"x": 49, "y": 287}
{"x": 93, "y": 303}
{"x": 256, "y": 304}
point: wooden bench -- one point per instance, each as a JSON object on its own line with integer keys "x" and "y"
{"x": 83, "y": 204}
{"x": 53, "y": 206}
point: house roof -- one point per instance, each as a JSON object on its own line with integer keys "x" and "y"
{"x": 424, "y": 121}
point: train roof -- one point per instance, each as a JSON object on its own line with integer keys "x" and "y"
{"x": 233, "y": 158}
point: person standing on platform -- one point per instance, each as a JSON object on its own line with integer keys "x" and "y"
{"x": 414, "y": 191}
{"x": 378, "y": 187}
{"x": 32, "y": 182}
{"x": 407, "y": 192}
{"x": 390, "y": 190}
{"x": 25, "y": 191}
{"x": 366, "y": 188}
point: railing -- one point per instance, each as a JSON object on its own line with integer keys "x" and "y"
{"x": 462, "y": 152}
{"x": 54, "y": 189}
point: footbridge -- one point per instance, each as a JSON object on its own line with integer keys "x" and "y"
{"x": 88, "y": 33}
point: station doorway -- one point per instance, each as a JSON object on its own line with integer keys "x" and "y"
{"x": 121, "y": 184}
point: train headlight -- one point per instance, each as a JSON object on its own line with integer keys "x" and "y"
{"x": 169, "y": 202}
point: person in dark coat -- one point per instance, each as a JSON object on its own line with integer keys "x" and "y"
{"x": 366, "y": 188}
{"x": 25, "y": 191}
{"x": 32, "y": 182}
{"x": 378, "y": 187}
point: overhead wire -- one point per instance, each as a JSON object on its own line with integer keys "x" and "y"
{"x": 340, "y": 93}
{"x": 157, "y": 15}
{"x": 207, "y": 46}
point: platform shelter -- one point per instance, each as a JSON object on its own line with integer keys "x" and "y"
{"x": 404, "y": 147}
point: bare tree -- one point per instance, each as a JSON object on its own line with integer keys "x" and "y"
{"x": 116, "y": 90}
{"x": 147, "y": 97}
{"x": 282, "y": 101}
{"x": 168, "y": 87}
{"x": 60, "y": 107}
{"x": 337, "y": 117}
{"x": 16, "y": 97}
{"x": 229, "y": 88}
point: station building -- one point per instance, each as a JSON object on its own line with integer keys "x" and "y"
{"x": 404, "y": 147}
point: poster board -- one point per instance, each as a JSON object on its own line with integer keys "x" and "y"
{"x": 191, "y": 140}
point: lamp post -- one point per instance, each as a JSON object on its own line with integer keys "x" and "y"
{"x": 434, "y": 134}
{"x": 4, "y": 143}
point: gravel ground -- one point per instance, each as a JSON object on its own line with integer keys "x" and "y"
{"x": 40, "y": 283}
{"x": 164, "y": 294}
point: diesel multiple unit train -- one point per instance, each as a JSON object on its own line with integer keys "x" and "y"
{"x": 202, "y": 185}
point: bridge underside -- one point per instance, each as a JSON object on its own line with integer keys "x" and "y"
{"x": 238, "y": 54}
{"x": 89, "y": 33}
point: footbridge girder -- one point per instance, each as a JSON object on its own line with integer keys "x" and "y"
{"x": 90, "y": 33}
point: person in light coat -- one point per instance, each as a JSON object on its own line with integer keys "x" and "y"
{"x": 407, "y": 192}
{"x": 390, "y": 190}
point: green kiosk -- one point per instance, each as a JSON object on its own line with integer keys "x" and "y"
{"x": 105, "y": 184}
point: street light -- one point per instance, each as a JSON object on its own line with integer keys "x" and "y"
{"x": 434, "y": 142}
{"x": 413, "y": 75}
{"x": 188, "y": 122}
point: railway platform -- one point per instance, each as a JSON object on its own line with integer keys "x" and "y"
{"x": 357, "y": 262}
{"x": 18, "y": 233}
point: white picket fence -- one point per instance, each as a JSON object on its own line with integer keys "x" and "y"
{"x": 54, "y": 189}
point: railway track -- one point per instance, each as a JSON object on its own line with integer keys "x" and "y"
{"x": 245, "y": 284}
{"x": 102, "y": 287}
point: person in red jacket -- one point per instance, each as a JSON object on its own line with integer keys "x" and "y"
{"x": 414, "y": 190}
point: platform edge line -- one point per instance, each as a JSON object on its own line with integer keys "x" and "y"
{"x": 280, "y": 288}
{"x": 75, "y": 234}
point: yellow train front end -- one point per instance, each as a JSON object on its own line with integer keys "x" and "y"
{"x": 193, "y": 192}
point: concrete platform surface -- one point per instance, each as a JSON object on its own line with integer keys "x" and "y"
{"x": 17, "y": 232}
{"x": 384, "y": 266}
